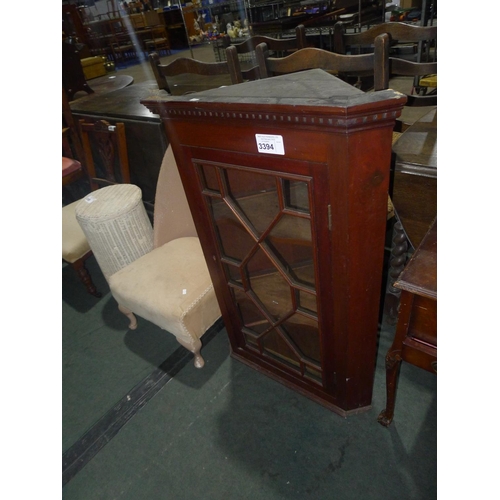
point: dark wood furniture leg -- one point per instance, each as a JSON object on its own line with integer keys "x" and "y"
{"x": 393, "y": 362}
{"x": 396, "y": 264}
{"x": 83, "y": 274}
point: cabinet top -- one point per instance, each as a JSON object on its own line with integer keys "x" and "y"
{"x": 313, "y": 92}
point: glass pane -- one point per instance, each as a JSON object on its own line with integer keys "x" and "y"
{"x": 251, "y": 341}
{"x": 233, "y": 273}
{"x": 296, "y": 195}
{"x": 292, "y": 241}
{"x": 209, "y": 177}
{"x": 307, "y": 301}
{"x": 314, "y": 375}
{"x": 304, "y": 334}
{"x": 270, "y": 286}
{"x": 275, "y": 346}
{"x": 235, "y": 240}
{"x": 251, "y": 317}
{"x": 255, "y": 195}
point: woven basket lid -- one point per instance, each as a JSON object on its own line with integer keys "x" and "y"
{"x": 109, "y": 202}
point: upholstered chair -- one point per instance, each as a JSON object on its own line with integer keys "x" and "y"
{"x": 170, "y": 286}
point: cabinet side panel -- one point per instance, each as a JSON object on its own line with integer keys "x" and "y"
{"x": 359, "y": 170}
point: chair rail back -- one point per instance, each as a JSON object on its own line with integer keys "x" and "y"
{"x": 400, "y": 32}
{"x": 424, "y": 36}
{"x": 278, "y": 45}
{"x": 183, "y": 65}
{"x": 402, "y": 67}
{"x": 376, "y": 64}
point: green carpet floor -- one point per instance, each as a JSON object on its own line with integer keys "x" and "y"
{"x": 227, "y": 431}
{"x": 102, "y": 359}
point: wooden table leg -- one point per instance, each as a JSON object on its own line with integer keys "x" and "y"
{"x": 393, "y": 360}
{"x": 392, "y": 365}
{"x": 396, "y": 265}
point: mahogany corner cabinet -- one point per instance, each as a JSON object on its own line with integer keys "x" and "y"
{"x": 287, "y": 180}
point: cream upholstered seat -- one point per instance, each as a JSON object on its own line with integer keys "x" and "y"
{"x": 170, "y": 286}
{"x": 75, "y": 247}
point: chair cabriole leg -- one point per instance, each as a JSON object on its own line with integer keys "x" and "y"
{"x": 130, "y": 315}
{"x": 195, "y": 348}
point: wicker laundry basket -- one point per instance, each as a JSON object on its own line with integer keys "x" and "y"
{"x": 116, "y": 225}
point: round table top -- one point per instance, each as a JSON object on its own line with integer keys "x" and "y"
{"x": 105, "y": 84}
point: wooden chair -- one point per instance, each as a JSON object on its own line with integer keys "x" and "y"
{"x": 426, "y": 37}
{"x": 152, "y": 18}
{"x": 99, "y": 139}
{"x": 401, "y": 33}
{"x": 310, "y": 58}
{"x": 98, "y": 45}
{"x": 279, "y": 46}
{"x": 158, "y": 40}
{"x": 417, "y": 70}
{"x": 183, "y": 65}
{"x": 422, "y": 61}
{"x": 122, "y": 47}
{"x": 137, "y": 20}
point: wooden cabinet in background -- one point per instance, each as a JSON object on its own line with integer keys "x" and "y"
{"x": 287, "y": 180}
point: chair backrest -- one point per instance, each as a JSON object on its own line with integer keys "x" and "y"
{"x": 402, "y": 67}
{"x": 375, "y": 64}
{"x": 137, "y": 20}
{"x": 72, "y": 145}
{"x": 172, "y": 216}
{"x": 106, "y": 145}
{"x": 400, "y": 33}
{"x": 424, "y": 39}
{"x": 151, "y": 18}
{"x": 279, "y": 46}
{"x": 184, "y": 65}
